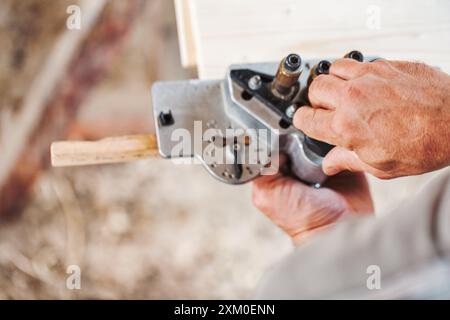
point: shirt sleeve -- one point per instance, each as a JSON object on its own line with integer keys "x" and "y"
{"x": 403, "y": 254}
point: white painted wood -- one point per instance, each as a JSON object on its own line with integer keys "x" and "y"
{"x": 236, "y": 31}
{"x": 185, "y": 37}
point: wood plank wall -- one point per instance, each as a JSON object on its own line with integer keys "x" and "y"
{"x": 215, "y": 34}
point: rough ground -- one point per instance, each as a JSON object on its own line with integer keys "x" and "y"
{"x": 144, "y": 230}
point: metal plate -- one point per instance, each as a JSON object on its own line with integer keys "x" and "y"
{"x": 200, "y": 105}
{"x": 197, "y": 106}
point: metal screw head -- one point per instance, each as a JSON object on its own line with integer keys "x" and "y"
{"x": 290, "y": 111}
{"x": 293, "y": 62}
{"x": 355, "y": 55}
{"x": 323, "y": 67}
{"x": 255, "y": 82}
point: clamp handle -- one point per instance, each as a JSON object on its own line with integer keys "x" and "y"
{"x": 107, "y": 150}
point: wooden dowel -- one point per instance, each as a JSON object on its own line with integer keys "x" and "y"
{"x": 108, "y": 150}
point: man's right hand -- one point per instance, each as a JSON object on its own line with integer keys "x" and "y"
{"x": 388, "y": 118}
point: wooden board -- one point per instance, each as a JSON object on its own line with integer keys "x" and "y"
{"x": 185, "y": 36}
{"x": 235, "y": 31}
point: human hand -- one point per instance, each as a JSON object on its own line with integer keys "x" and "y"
{"x": 388, "y": 118}
{"x": 300, "y": 210}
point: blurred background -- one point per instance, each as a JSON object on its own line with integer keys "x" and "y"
{"x": 150, "y": 229}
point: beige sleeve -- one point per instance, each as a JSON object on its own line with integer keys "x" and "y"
{"x": 407, "y": 250}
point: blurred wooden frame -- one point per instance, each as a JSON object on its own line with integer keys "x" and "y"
{"x": 215, "y": 34}
{"x": 56, "y": 92}
{"x": 185, "y": 35}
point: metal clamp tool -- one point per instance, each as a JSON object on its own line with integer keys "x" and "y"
{"x": 252, "y": 98}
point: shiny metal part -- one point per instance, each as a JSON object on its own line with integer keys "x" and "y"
{"x": 206, "y": 109}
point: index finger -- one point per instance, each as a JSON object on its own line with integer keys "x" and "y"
{"x": 325, "y": 91}
{"x": 315, "y": 123}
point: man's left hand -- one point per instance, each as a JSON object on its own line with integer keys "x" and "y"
{"x": 300, "y": 210}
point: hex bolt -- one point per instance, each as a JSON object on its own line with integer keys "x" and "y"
{"x": 255, "y": 82}
{"x": 355, "y": 55}
{"x": 290, "y": 111}
{"x": 323, "y": 67}
{"x": 286, "y": 78}
{"x": 292, "y": 62}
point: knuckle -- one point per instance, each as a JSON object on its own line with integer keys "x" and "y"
{"x": 343, "y": 128}
{"x": 339, "y": 62}
{"x": 353, "y": 90}
{"x": 367, "y": 67}
{"x": 299, "y": 117}
{"x": 384, "y": 67}
{"x": 381, "y": 63}
{"x": 340, "y": 125}
{"x": 321, "y": 78}
{"x": 383, "y": 175}
{"x": 316, "y": 86}
{"x": 336, "y": 66}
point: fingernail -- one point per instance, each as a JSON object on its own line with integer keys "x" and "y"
{"x": 329, "y": 171}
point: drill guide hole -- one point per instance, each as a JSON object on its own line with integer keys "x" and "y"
{"x": 246, "y": 95}
{"x": 293, "y": 60}
{"x": 284, "y": 124}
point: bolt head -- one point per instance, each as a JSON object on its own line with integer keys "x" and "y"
{"x": 292, "y": 62}
{"x": 290, "y": 111}
{"x": 356, "y": 55}
{"x": 323, "y": 67}
{"x": 255, "y": 82}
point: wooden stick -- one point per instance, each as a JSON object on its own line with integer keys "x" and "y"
{"x": 108, "y": 150}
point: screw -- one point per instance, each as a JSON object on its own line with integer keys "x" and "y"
{"x": 290, "y": 111}
{"x": 323, "y": 67}
{"x": 166, "y": 118}
{"x": 286, "y": 79}
{"x": 255, "y": 82}
{"x": 355, "y": 55}
{"x": 292, "y": 62}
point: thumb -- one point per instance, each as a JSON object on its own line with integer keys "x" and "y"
{"x": 340, "y": 159}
